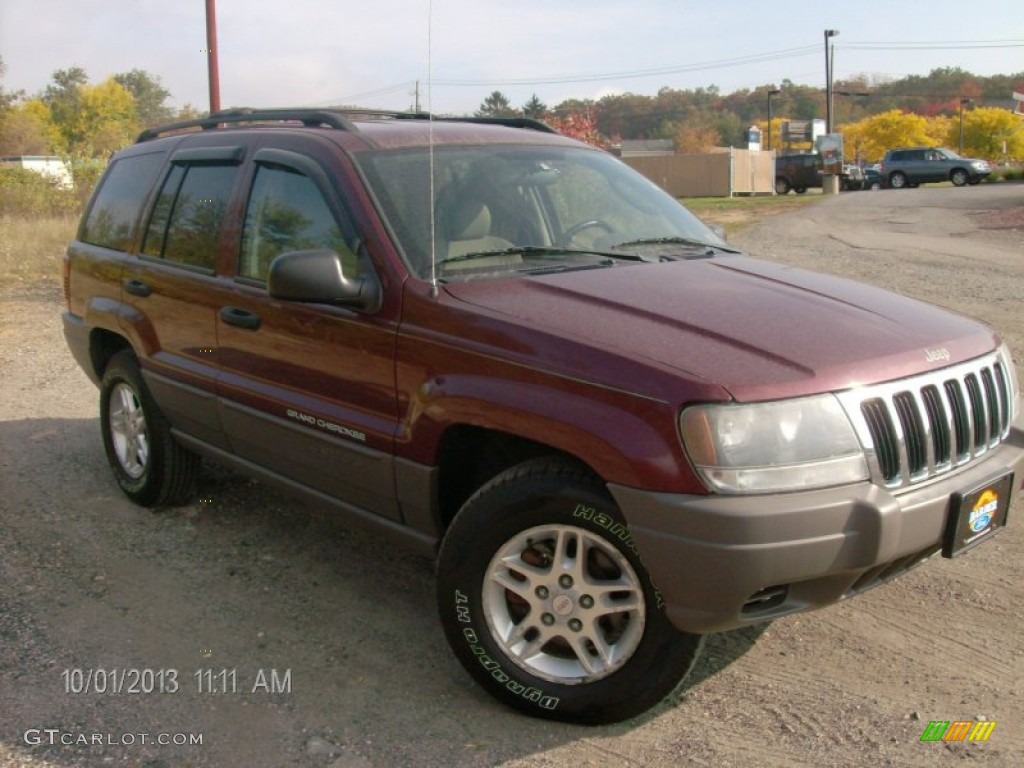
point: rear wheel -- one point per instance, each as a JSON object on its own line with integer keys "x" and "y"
{"x": 958, "y": 177}
{"x": 898, "y": 180}
{"x": 782, "y": 185}
{"x": 546, "y": 604}
{"x": 151, "y": 468}
{"x": 799, "y": 190}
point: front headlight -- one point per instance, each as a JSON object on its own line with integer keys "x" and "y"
{"x": 789, "y": 445}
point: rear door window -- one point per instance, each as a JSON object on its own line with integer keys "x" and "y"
{"x": 112, "y": 218}
{"x": 185, "y": 224}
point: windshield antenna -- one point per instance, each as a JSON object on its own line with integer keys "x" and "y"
{"x": 430, "y": 147}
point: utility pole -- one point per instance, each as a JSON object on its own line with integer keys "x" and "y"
{"x": 773, "y": 92}
{"x": 211, "y": 54}
{"x": 962, "y": 103}
{"x": 829, "y": 33}
{"x": 830, "y": 182}
{"x": 417, "y": 109}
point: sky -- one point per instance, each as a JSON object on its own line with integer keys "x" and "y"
{"x": 372, "y": 54}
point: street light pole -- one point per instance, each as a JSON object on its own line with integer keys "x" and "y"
{"x": 775, "y": 92}
{"x": 962, "y": 102}
{"x": 829, "y": 33}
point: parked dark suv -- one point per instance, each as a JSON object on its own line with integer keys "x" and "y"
{"x": 921, "y": 165}
{"x": 797, "y": 172}
{"x": 800, "y": 172}
{"x": 509, "y": 351}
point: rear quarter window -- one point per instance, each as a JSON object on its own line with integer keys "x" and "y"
{"x": 114, "y": 213}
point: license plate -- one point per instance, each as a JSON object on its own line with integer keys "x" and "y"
{"x": 976, "y": 515}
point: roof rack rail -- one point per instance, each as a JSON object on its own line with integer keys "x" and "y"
{"x": 338, "y": 118}
{"x": 309, "y": 117}
{"x": 511, "y": 122}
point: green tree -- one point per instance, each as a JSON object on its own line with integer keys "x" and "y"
{"x": 7, "y": 98}
{"x": 62, "y": 95}
{"x": 149, "y": 97}
{"x": 535, "y": 108}
{"x": 91, "y": 121}
{"x": 496, "y": 105}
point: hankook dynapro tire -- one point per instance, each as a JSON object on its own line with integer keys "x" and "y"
{"x": 545, "y": 601}
{"x": 151, "y": 468}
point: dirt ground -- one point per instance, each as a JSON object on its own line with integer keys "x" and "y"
{"x": 339, "y": 660}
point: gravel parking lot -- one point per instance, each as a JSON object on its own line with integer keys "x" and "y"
{"x": 280, "y": 637}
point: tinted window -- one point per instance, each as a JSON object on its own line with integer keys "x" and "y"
{"x": 287, "y": 212}
{"x": 115, "y": 209}
{"x": 186, "y": 218}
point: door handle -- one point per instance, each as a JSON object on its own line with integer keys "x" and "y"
{"x": 242, "y": 318}
{"x": 136, "y": 287}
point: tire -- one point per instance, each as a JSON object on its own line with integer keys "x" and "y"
{"x": 527, "y": 629}
{"x": 799, "y": 190}
{"x": 151, "y": 468}
{"x": 959, "y": 177}
{"x": 782, "y": 185}
{"x": 876, "y": 185}
{"x": 898, "y": 180}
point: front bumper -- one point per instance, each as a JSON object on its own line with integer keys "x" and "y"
{"x": 722, "y": 562}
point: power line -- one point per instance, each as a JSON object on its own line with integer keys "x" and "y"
{"x": 717, "y": 64}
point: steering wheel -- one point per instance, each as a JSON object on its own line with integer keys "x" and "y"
{"x": 575, "y": 229}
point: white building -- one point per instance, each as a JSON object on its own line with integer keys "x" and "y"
{"x": 47, "y": 165}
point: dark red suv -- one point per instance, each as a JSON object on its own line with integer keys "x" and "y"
{"x": 506, "y": 349}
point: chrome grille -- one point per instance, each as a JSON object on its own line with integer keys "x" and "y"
{"x": 916, "y": 428}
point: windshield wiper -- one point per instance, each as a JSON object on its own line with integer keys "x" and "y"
{"x": 685, "y": 241}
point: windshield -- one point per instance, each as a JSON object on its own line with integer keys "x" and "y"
{"x": 527, "y": 209}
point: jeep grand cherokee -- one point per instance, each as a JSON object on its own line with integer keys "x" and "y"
{"x": 504, "y": 348}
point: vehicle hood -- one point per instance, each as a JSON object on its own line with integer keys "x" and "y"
{"x": 757, "y": 329}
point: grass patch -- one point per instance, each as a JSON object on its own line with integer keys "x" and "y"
{"x": 31, "y": 249}
{"x": 737, "y": 213}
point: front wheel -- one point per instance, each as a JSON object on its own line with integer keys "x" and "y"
{"x": 545, "y": 602}
{"x": 958, "y": 177}
{"x": 151, "y": 468}
{"x": 782, "y": 186}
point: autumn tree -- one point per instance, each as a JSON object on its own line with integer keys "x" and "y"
{"x": 878, "y": 133}
{"x": 986, "y": 130}
{"x": 27, "y": 129}
{"x": 580, "y": 126}
{"x": 696, "y": 138}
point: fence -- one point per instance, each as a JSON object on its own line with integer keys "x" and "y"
{"x": 715, "y": 174}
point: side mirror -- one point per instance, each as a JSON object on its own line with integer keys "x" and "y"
{"x": 316, "y": 277}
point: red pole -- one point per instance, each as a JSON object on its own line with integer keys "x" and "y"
{"x": 211, "y": 52}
